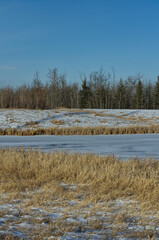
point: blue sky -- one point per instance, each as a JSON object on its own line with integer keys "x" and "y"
{"x": 78, "y": 37}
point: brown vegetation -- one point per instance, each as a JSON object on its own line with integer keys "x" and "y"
{"x": 77, "y": 121}
{"x": 84, "y": 186}
{"x": 57, "y": 122}
{"x": 103, "y": 177}
{"x": 101, "y": 130}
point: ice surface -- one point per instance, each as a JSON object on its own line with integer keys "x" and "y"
{"x": 123, "y": 146}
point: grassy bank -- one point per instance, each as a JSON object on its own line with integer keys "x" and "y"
{"x": 105, "y": 177}
{"x": 107, "y": 193}
{"x": 81, "y": 130}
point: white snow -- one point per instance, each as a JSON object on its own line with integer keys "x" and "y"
{"x": 24, "y": 119}
{"x": 80, "y": 216}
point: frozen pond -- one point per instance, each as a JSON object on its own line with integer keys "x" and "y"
{"x": 144, "y": 145}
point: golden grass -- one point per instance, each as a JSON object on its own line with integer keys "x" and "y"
{"x": 77, "y": 121}
{"x": 77, "y": 110}
{"x": 57, "y": 122}
{"x": 62, "y": 108}
{"x": 143, "y": 119}
{"x": 91, "y": 182}
{"x": 102, "y": 177}
{"x": 100, "y": 130}
{"x": 116, "y": 116}
{"x": 11, "y": 120}
{"x": 132, "y": 118}
{"x": 31, "y": 123}
{"x": 103, "y": 121}
{"x": 99, "y": 114}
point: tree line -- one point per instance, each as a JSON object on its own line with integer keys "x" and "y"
{"x": 100, "y": 90}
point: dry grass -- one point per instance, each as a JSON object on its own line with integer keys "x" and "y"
{"x": 11, "y": 120}
{"x": 62, "y": 108}
{"x": 117, "y": 116}
{"x": 73, "y": 111}
{"x": 103, "y": 177}
{"x": 77, "y": 110}
{"x": 31, "y": 124}
{"x": 103, "y": 121}
{"x": 77, "y": 121}
{"x": 57, "y": 122}
{"x": 132, "y": 118}
{"x": 143, "y": 119}
{"x": 99, "y": 114}
{"x": 82, "y": 186}
{"x": 101, "y": 130}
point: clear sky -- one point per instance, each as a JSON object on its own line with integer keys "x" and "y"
{"x": 78, "y": 37}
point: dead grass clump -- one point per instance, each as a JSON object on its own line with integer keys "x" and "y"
{"x": 11, "y": 120}
{"x": 76, "y": 110}
{"x": 99, "y": 114}
{"x": 123, "y": 116}
{"x": 132, "y": 118}
{"x": 31, "y": 123}
{"x": 143, "y": 119}
{"x": 111, "y": 115}
{"x": 77, "y": 121}
{"x": 62, "y": 108}
{"x": 56, "y": 111}
{"x": 103, "y": 121}
{"x": 96, "y": 114}
{"x": 103, "y": 178}
{"x": 57, "y": 122}
{"x": 120, "y": 117}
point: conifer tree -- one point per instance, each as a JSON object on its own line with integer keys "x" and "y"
{"x": 120, "y": 95}
{"x": 84, "y": 94}
{"x": 139, "y": 95}
{"x": 156, "y": 95}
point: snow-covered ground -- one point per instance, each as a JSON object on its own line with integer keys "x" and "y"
{"x": 23, "y": 118}
{"x": 24, "y": 218}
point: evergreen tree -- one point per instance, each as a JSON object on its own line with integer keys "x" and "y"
{"x": 120, "y": 95}
{"x": 84, "y": 94}
{"x": 149, "y": 95}
{"x": 139, "y": 97}
{"x": 130, "y": 87}
{"x": 156, "y": 95}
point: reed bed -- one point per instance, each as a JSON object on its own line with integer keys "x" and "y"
{"x": 103, "y": 177}
{"x": 100, "y": 130}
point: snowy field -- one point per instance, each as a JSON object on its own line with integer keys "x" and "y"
{"x": 32, "y": 119}
{"x": 119, "y": 219}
